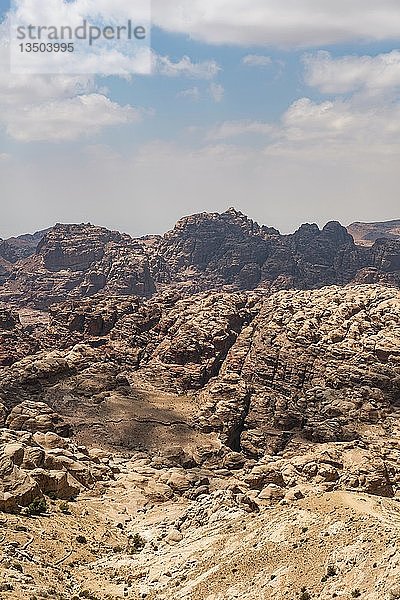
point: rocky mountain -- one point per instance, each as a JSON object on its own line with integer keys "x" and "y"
{"x": 365, "y": 234}
{"x": 73, "y": 261}
{"x": 208, "y": 251}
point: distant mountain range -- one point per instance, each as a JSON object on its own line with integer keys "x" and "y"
{"x": 206, "y": 251}
{"x": 365, "y": 234}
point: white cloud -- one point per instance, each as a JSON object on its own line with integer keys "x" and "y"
{"x": 370, "y": 74}
{"x": 350, "y": 128}
{"x": 55, "y": 108}
{"x": 17, "y": 90}
{"x": 207, "y": 69}
{"x": 293, "y": 23}
{"x": 68, "y": 119}
{"x": 72, "y": 12}
{"x": 217, "y": 92}
{"x": 340, "y": 132}
{"x": 257, "y": 60}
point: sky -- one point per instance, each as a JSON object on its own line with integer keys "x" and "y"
{"x": 288, "y": 111}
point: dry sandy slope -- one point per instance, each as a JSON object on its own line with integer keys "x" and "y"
{"x": 328, "y": 546}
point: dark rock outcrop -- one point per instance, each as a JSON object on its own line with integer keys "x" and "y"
{"x": 15, "y": 342}
{"x": 230, "y": 251}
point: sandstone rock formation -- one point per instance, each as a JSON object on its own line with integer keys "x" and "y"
{"x": 163, "y": 432}
{"x": 208, "y": 251}
{"x": 34, "y": 465}
{"x": 75, "y": 261}
{"x": 211, "y": 250}
{"x": 179, "y": 397}
{"x": 15, "y": 343}
{"x": 261, "y": 371}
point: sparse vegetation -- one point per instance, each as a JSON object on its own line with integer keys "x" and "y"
{"x": 37, "y": 507}
{"x": 137, "y": 543}
{"x": 88, "y": 595}
{"x": 64, "y": 508}
{"x": 304, "y": 594}
{"x": 6, "y": 587}
{"x": 356, "y": 593}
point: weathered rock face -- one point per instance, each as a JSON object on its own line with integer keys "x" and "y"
{"x": 321, "y": 364}
{"x": 213, "y": 250}
{"x": 386, "y": 257}
{"x": 324, "y": 257}
{"x": 324, "y": 363}
{"x": 14, "y": 342}
{"x": 75, "y": 261}
{"x": 5, "y": 270}
{"x": 36, "y": 416}
{"x": 197, "y": 422}
{"x": 8, "y": 319}
{"x": 208, "y": 251}
{"x": 34, "y": 465}
{"x": 92, "y": 317}
{"x": 194, "y": 338}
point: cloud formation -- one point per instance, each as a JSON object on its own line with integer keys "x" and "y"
{"x": 185, "y": 67}
{"x": 217, "y": 92}
{"x": 233, "y": 129}
{"x": 256, "y": 60}
{"x": 55, "y": 107}
{"x": 372, "y": 74}
{"x": 68, "y": 119}
{"x": 293, "y": 23}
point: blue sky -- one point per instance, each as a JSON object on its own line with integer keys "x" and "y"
{"x": 284, "y": 138}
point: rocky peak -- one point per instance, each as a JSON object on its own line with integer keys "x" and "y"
{"x": 333, "y": 232}
{"x": 76, "y": 247}
{"x": 75, "y": 261}
{"x": 338, "y": 234}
